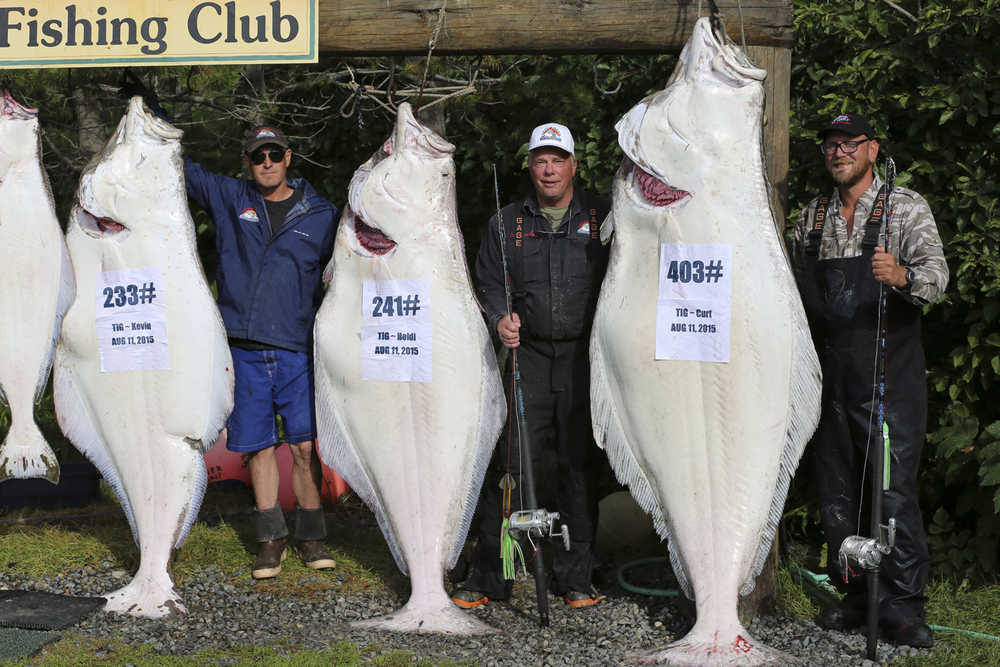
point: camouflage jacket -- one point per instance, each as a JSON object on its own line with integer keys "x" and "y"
{"x": 913, "y": 239}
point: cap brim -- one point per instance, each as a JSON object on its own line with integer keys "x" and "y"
{"x": 269, "y": 141}
{"x": 550, "y": 145}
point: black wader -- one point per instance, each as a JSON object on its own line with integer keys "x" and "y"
{"x": 841, "y": 297}
{"x": 555, "y": 380}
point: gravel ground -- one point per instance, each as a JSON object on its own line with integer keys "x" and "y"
{"x": 224, "y": 615}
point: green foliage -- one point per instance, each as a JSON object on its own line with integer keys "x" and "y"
{"x": 930, "y": 90}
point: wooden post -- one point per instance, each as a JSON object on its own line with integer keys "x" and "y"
{"x": 778, "y": 63}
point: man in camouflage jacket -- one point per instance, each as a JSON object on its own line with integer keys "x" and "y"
{"x": 844, "y": 265}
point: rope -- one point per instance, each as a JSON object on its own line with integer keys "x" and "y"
{"x": 743, "y": 37}
{"x": 430, "y": 49}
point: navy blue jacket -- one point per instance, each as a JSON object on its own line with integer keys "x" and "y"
{"x": 269, "y": 286}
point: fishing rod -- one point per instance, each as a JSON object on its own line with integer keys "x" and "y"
{"x": 868, "y": 552}
{"x": 534, "y": 521}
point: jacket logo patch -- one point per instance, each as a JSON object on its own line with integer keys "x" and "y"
{"x": 584, "y": 227}
{"x": 297, "y": 231}
{"x": 249, "y": 215}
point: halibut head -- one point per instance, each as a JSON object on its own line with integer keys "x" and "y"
{"x": 409, "y": 402}
{"x": 705, "y": 383}
{"x": 143, "y": 375}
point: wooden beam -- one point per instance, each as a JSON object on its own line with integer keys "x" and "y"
{"x": 377, "y": 27}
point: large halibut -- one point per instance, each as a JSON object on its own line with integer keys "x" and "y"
{"x": 707, "y": 437}
{"x": 408, "y": 396}
{"x": 143, "y": 374}
{"x": 36, "y": 290}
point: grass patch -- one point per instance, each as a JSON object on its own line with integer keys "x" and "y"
{"x": 962, "y": 608}
{"x": 43, "y": 551}
{"x": 959, "y": 608}
{"x": 36, "y": 544}
{"x": 72, "y": 651}
{"x": 792, "y": 597}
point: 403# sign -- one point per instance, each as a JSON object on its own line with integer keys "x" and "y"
{"x": 693, "y": 307}
{"x": 100, "y": 33}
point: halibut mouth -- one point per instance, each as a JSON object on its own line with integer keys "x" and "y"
{"x": 655, "y": 191}
{"x": 372, "y": 239}
{"x": 14, "y": 110}
{"x": 100, "y": 226}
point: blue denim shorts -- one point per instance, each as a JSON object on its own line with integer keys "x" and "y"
{"x": 270, "y": 382}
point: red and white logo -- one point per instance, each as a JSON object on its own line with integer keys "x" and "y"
{"x": 249, "y": 215}
{"x": 551, "y": 133}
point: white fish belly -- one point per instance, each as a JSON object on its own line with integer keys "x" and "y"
{"x": 711, "y": 435}
{"x": 33, "y": 256}
{"x": 146, "y": 430}
{"x": 417, "y": 444}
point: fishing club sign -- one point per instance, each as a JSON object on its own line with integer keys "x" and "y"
{"x": 156, "y": 32}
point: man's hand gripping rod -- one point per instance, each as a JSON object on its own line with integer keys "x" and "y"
{"x": 535, "y": 521}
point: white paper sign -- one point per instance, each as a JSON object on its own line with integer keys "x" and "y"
{"x": 693, "y": 308}
{"x": 132, "y": 321}
{"x": 396, "y": 330}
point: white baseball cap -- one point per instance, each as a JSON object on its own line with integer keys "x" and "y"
{"x": 551, "y": 134}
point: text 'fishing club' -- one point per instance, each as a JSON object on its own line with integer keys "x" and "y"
{"x": 104, "y": 31}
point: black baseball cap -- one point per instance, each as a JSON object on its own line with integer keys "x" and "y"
{"x": 849, "y": 123}
{"x": 263, "y": 135}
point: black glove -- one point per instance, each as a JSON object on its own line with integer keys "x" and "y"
{"x": 130, "y": 86}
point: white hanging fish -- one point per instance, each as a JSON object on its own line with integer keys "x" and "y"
{"x": 708, "y": 435}
{"x": 143, "y": 375}
{"x": 408, "y": 396}
{"x": 36, "y": 289}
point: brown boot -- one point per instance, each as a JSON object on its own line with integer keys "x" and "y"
{"x": 269, "y": 558}
{"x": 315, "y": 555}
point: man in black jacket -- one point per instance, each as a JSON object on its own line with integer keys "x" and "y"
{"x": 556, "y": 263}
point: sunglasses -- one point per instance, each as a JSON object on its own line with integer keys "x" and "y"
{"x": 274, "y": 154}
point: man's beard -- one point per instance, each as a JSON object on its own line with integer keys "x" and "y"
{"x": 850, "y": 177}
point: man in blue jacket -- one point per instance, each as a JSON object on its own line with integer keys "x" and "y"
{"x": 274, "y": 236}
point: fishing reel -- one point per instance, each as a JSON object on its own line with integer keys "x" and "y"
{"x": 541, "y": 521}
{"x": 867, "y": 552}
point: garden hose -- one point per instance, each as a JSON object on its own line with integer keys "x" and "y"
{"x": 821, "y": 582}
{"x": 655, "y": 592}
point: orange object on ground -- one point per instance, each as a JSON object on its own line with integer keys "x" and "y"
{"x": 224, "y": 464}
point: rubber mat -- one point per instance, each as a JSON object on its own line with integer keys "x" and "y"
{"x": 17, "y": 643}
{"x": 37, "y": 610}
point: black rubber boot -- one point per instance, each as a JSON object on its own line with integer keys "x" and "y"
{"x": 310, "y": 524}
{"x": 270, "y": 524}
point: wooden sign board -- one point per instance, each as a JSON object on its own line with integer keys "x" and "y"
{"x": 102, "y": 33}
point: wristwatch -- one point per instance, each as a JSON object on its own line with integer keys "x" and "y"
{"x": 910, "y": 277}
